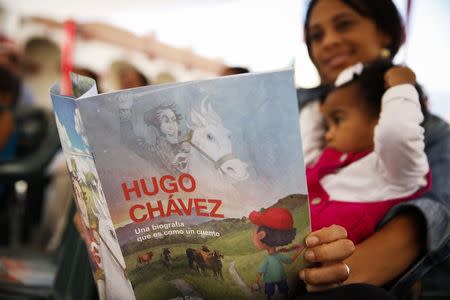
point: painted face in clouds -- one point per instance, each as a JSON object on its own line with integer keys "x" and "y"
{"x": 169, "y": 125}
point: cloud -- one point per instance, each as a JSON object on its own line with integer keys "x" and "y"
{"x": 79, "y": 126}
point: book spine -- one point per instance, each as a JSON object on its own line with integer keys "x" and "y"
{"x": 88, "y": 194}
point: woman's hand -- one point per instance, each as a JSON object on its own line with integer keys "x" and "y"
{"x": 326, "y": 249}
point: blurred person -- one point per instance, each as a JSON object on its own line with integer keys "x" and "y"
{"x": 9, "y": 92}
{"x": 9, "y": 95}
{"x": 12, "y": 59}
{"x": 130, "y": 77}
{"x": 164, "y": 77}
{"x": 234, "y": 71}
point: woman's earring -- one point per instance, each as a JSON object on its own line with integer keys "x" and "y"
{"x": 385, "y": 53}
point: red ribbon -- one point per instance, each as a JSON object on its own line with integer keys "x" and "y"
{"x": 67, "y": 57}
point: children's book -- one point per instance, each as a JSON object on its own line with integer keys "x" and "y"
{"x": 191, "y": 190}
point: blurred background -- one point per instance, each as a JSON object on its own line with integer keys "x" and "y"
{"x": 176, "y": 40}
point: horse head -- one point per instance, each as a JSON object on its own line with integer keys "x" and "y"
{"x": 213, "y": 141}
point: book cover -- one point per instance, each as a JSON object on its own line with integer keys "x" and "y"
{"x": 192, "y": 190}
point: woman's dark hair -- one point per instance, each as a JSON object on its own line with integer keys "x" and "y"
{"x": 276, "y": 237}
{"x": 10, "y": 84}
{"x": 372, "y": 86}
{"x": 383, "y": 13}
{"x": 234, "y": 71}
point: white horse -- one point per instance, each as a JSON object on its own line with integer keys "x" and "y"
{"x": 117, "y": 285}
{"x": 211, "y": 159}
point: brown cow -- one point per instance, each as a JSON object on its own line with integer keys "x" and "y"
{"x": 144, "y": 259}
{"x": 203, "y": 260}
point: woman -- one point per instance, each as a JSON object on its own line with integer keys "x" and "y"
{"x": 340, "y": 33}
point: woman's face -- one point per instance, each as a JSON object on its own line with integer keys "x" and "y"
{"x": 340, "y": 37}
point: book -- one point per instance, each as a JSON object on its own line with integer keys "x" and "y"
{"x": 192, "y": 190}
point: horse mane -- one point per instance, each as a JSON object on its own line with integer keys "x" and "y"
{"x": 206, "y": 115}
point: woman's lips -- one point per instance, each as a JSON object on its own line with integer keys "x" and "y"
{"x": 338, "y": 61}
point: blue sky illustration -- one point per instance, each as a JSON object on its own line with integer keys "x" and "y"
{"x": 65, "y": 111}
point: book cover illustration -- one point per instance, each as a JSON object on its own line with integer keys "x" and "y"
{"x": 95, "y": 222}
{"x": 203, "y": 183}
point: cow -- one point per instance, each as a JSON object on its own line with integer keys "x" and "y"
{"x": 190, "y": 253}
{"x": 144, "y": 258}
{"x": 166, "y": 259}
{"x": 204, "y": 260}
{"x": 214, "y": 262}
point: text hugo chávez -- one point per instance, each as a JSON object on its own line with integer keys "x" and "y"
{"x": 168, "y": 184}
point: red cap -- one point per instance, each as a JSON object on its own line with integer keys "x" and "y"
{"x": 274, "y": 218}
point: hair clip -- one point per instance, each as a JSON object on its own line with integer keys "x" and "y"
{"x": 349, "y": 74}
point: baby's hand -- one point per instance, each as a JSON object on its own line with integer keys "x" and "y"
{"x": 399, "y": 75}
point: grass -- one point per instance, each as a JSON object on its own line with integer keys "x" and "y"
{"x": 152, "y": 281}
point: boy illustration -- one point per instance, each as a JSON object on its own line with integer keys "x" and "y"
{"x": 274, "y": 228}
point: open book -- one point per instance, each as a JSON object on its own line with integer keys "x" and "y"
{"x": 191, "y": 190}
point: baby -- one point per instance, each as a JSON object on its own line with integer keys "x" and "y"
{"x": 364, "y": 148}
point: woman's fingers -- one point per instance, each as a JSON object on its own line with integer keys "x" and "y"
{"x": 325, "y": 275}
{"x": 327, "y": 248}
{"x": 331, "y": 252}
{"x": 326, "y": 235}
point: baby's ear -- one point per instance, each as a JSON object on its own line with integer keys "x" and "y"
{"x": 261, "y": 234}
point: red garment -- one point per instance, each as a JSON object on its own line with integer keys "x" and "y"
{"x": 358, "y": 218}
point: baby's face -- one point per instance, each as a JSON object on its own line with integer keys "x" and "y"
{"x": 349, "y": 124}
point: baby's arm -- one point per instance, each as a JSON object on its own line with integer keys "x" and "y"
{"x": 399, "y": 137}
{"x": 313, "y": 131}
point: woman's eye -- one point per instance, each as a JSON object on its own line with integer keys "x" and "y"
{"x": 315, "y": 36}
{"x": 343, "y": 25}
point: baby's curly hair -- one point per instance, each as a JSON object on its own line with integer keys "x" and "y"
{"x": 372, "y": 85}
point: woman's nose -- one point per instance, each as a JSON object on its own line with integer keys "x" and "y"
{"x": 331, "y": 38}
